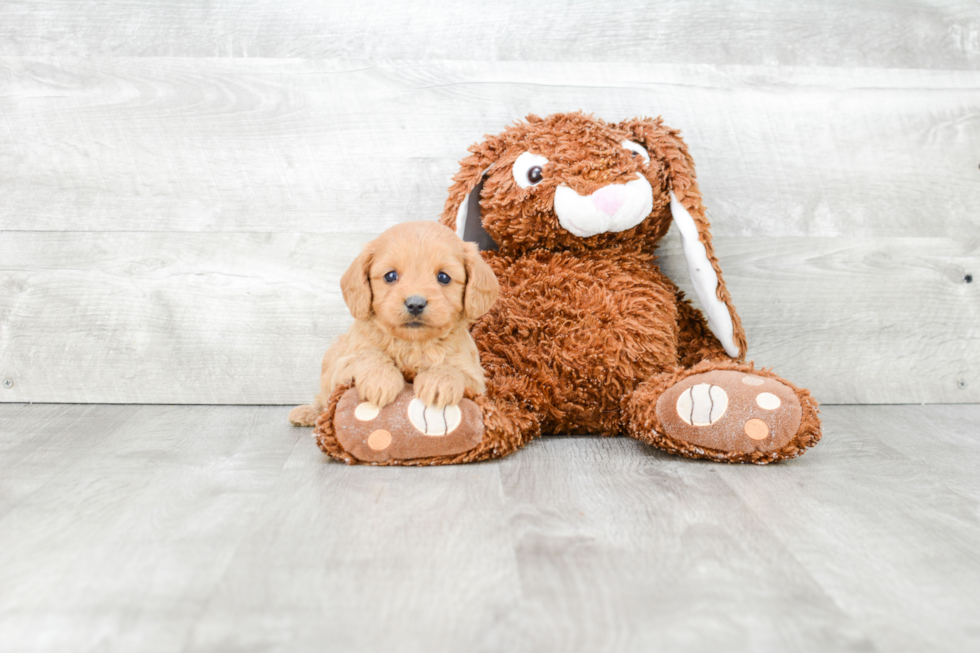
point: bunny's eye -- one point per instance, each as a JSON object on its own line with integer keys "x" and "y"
{"x": 529, "y": 169}
{"x": 637, "y": 150}
{"x": 391, "y": 277}
{"x": 443, "y": 278}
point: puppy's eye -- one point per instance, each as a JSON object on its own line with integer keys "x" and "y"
{"x": 529, "y": 169}
{"x": 391, "y": 277}
{"x": 637, "y": 150}
{"x": 443, "y": 278}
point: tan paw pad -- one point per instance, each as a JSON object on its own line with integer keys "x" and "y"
{"x": 757, "y": 429}
{"x": 379, "y": 440}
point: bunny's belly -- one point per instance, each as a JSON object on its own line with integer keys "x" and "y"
{"x": 572, "y": 336}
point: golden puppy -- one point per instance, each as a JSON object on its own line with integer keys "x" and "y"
{"x": 413, "y": 293}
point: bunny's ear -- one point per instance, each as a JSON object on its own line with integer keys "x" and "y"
{"x": 462, "y": 210}
{"x": 688, "y": 214}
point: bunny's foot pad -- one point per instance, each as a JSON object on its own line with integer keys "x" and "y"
{"x": 405, "y": 429}
{"x": 730, "y": 411}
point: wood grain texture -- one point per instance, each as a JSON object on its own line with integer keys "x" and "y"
{"x": 891, "y": 34}
{"x": 245, "y": 318}
{"x": 905, "y": 505}
{"x": 170, "y": 318}
{"x": 123, "y": 534}
{"x": 184, "y": 183}
{"x": 356, "y": 146}
{"x": 200, "y": 528}
{"x": 857, "y": 320}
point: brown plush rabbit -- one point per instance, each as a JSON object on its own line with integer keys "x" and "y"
{"x": 588, "y": 335}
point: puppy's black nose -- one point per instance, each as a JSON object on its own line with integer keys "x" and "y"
{"x": 415, "y": 304}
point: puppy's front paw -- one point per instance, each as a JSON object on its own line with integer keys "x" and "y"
{"x": 440, "y": 387}
{"x": 381, "y": 386}
{"x": 303, "y": 415}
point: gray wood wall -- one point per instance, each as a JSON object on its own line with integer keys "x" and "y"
{"x": 182, "y": 184}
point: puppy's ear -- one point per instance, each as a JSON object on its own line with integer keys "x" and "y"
{"x": 462, "y": 210}
{"x": 481, "y": 284}
{"x": 688, "y": 215}
{"x": 356, "y": 284}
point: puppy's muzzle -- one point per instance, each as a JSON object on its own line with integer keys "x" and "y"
{"x": 415, "y": 304}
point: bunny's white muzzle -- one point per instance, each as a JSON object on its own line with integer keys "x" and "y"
{"x": 615, "y": 208}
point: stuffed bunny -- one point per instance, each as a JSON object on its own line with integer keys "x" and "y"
{"x": 588, "y": 336}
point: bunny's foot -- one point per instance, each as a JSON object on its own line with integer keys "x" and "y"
{"x": 407, "y": 432}
{"x": 725, "y": 411}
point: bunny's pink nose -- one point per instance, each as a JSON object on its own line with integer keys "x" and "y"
{"x": 609, "y": 198}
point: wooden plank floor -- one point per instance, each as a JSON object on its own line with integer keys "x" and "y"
{"x": 221, "y": 528}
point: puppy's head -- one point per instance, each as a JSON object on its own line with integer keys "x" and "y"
{"x": 418, "y": 280}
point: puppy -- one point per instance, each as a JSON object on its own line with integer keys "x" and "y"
{"x": 413, "y": 293}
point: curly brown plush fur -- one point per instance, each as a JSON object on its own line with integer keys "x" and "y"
{"x": 588, "y": 336}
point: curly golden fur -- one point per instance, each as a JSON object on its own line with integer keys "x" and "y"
{"x": 414, "y": 264}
